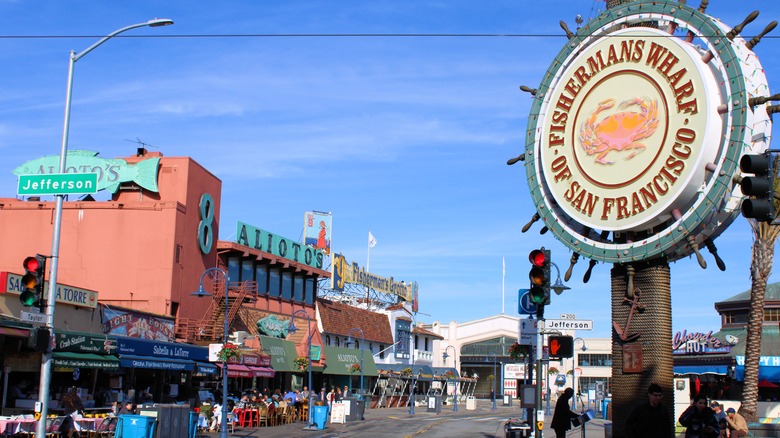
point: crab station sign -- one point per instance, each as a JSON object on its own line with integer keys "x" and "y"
{"x": 624, "y": 131}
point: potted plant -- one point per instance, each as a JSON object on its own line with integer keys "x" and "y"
{"x": 517, "y": 351}
{"x": 355, "y": 368}
{"x": 229, "y": 351}
{"x": 552, "y": 371}
{"x": 301, "y": 362}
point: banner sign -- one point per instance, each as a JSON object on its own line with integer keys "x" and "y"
{"x": 344, "y": 273}
{"x": 83, "y": 342}
{"x": 11, "y": 283}
{"x": 317, "y": 229}
{"x": 271, "y": 243}
{"x": 161, "y": 350}
{"x": 120, "y": 322}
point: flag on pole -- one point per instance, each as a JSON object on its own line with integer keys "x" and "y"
{"x": 371, "y": 240}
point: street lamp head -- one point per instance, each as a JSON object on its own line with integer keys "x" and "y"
{"x": 157, "y": 22}
{"x": 291, "y": 329}
{"x": 559, "y": 287}
{"x": 445, "y": 356}
{"x": 201, "y": 292}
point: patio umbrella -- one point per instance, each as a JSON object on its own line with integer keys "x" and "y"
{"x": 767, "y": 384}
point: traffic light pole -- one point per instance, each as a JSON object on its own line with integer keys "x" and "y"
{"x": 539, "y": 417}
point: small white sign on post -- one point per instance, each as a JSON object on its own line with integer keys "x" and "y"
{"x": 34, "y": 317}
{"x": 527, "y": 331}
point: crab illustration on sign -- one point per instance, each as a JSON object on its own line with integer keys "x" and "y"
{"x": 621, "y": 131}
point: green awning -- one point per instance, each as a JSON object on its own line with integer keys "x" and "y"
{"x": 339, "y": 360}
{"x": 64, "y": 359}
{"x": 282, "y": 354}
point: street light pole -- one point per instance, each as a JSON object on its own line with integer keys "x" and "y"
{"x": 454, "y": 359}
{"x": 362, "y": 353}
{"x": 574, "y": 382}
{"x": 201, "y": 292}
{"x": 411, "y": 356}
{"x": 51, "y": 296}
{"x": 292, "y": 329}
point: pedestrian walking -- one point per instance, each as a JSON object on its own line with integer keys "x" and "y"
{"x": 561, "y": 421}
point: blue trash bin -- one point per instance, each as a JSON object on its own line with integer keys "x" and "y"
{"x": 193, "y": 430}
{"x": 605, "y": 408}
{"x": 320, "y": 416}
{"x": 135, "y": 426}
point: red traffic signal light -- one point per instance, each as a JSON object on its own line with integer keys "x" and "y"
{"x": 32, "y": 280}
{"x": 540, "y": 279}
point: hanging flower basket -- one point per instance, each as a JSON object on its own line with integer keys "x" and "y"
{"x": 406, "y": 372}
{"x": 517, "y": 351}
{"x": 491, "y": 378}
{"x": 355, "y": 368}
{"x": 552, "y": 371}
{"x": 449, "y": 375}
{"x": 229, "y": 351}
{"x": 301, "y": 363}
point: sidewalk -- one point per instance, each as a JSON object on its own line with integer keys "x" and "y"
{"x": 594, "y": 428}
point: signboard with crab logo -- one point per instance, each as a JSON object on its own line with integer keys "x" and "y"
{"x": 635, "y": 133}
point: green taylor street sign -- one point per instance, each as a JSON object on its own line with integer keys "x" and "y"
{"x": 57, "y": 184}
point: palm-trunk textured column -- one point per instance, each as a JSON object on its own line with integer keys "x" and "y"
{"x": 653, "y": 324}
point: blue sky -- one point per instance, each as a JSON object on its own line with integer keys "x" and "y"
{"x": 406, "y": 136}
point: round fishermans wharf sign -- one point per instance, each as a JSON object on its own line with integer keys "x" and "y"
{"x": 635, "y": 133}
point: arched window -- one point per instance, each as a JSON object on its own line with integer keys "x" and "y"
{"x": 337, "y": 341}
{"x": 327, "y": 340}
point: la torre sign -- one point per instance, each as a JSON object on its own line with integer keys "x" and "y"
{"x": 635, "y": 134}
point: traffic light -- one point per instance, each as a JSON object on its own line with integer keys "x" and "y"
{"x": 560, "y": 347}
{"x": 759, "y": 188}
{"x": 32, "y": 280}
{"x": 540, "y": 279}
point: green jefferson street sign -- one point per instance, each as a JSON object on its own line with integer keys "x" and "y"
{"x": 57, "y": 184}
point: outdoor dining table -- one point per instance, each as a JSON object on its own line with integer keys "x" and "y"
{"x": 12, "y": 427}
{"x": 87, "y": 424}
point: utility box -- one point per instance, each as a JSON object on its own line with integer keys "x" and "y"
{"x": 507, "y": 399}
{"x": 471, "y": 403}
{"x": 172, "y": 419}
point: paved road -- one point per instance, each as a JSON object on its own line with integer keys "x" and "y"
{"x": 397, "y": 422}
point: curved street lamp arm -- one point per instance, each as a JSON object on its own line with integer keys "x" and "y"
{"x": 151, "y": 23}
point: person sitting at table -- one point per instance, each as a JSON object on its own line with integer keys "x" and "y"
{"x": 127, "y": 409}
{"x": 216, "y": 418}
{"x": 289, "y": 397}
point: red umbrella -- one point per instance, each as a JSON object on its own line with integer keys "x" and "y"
{"x": 767, "y": 384}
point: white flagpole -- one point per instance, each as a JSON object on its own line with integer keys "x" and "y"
{"x": 368, "y": 261}
{"x": 503, "y": 281}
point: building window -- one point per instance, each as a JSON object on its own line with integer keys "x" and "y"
{"x": 327, "y": 340}
{"x": 311, "y": 290}
{"x": 771, "y": 315}
{"x": 287, "y": 285}
{"x": 274, "y": 282}
{"x": 735, "y": 318}
{"x": 337, "y": 340}
{"x": 381, "y": 351}
{"x": 426, "y": 343}
{"x": 261, "y": 276}
{"x": 298, "y": 288}
{"x": 234, "y": 267}
{"x": 247, "y": 271}
{"x": 357, "y": 344}
{"x": 594, "y": 360}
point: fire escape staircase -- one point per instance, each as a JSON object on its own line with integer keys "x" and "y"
{"x": 212, "y": 326}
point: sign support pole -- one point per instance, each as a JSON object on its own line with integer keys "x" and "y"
{"x": 539, "y": 344}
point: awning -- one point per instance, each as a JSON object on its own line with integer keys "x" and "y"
{"x": 339, "y": 361}
{"x": 282, "y": 354}
{"x": 205, "y": 368}
{"x": 768, "y": 368}
{"x": 262, "y": 371}
{"x": 701, "y": 369}
{"x": 130, "y": 361}
{"x": 238, "y": 371}
{"x": 423, "y": 372}
{"x": 63, "y": 359}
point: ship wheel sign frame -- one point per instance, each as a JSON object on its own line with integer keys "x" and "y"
{"x": 635, "y": 133}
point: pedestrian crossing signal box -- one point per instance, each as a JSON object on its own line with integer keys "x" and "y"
{"x": 560, "y": 347}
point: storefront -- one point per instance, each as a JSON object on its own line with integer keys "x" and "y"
{"x": 160, "y": 371}
{"x": 343, "y": 368}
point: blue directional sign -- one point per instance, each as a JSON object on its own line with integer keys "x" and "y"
{"x": 524, "y": 304}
